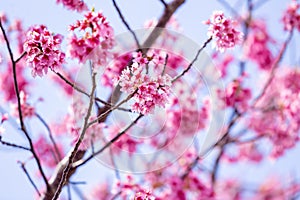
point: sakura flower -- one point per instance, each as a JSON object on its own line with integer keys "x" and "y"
{"x": 223, "y": 31}
{"x": 186, "y": 118}
{"x": 46, "y": 152}
{"x": 256, "y": 46}
{"x": 235, "y": 95}
{"x": 114, "y": 69}
{"x": 6, "y": 81}
{"x": 77, "y": 5}
{"x": 125, "y": 143}
{"x": 277, "y": 113}
{"x": 95, "y": 43}
{"x": 149, "y": 95}
{"x": 43, "y": 50}
{"x": 291, "y": 17}
{"x": 147, "y": 92}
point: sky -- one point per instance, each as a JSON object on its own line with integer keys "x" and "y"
{"x": 13, "y": 183}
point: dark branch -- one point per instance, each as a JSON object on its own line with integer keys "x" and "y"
{"x": 16, "y": 87}
{"x": 13, "y": 145}
{"x": 126, "y": 24}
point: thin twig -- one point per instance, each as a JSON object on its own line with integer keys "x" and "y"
{"x": 29, "y": 178}
{"x": 77, "y": 88}
{"x": 126, "y": 24}
{"x": 216, "y": 166}
{"x": 21, "y": 56}
{"x": 81, "y": 162}
{"x": 13, "y": 145}
{"x": 229, "y": 7}
{"x": 193, "y": 61}
{"x": 80, "y": 139}
{"x": 164, "y": 3}
{"x": 16, "y": 87}
{"x": 165, "y": 64}
{"x": 59, "y": 156}
{"x": 104, "y": 114}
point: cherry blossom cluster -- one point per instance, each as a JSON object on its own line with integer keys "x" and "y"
{"x": 256, "y": 46}
{"x": 245, "y": 152}
{"x": 223, "y": 62}
{"x": 148, "y": 92}
{"x": 235, "y": 95}
{"x": 183, "y": 114}
{"x": 223, "y": 31}
{"x": 276, "y": 114}
{"x": 130, "y": 190}
{"x": 6, "y": 81}
{"x": 291, "y": 17}
{"x": 91, "y": 38}
{"x": 126, "y": 142}
{"x": 115, "y": 68}
{"x": 47, "y": 153}
{"x": 77, "y": 5}
{"x": 43, "y": 50}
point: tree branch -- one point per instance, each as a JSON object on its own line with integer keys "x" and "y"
{"x": 65, "y": 174}
{"x": 16, "y": 87}
{"x": 13, "y": 145}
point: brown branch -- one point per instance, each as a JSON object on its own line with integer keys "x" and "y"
{"x": 126, "y": 24}
{"x": 16, "y": 87}
{"x": 65, "y": 174}
{"x": 164, "y": 3}
{"x": 168, "y": 12}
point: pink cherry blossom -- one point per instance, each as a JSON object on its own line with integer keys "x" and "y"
{"x": 46, "y": 151}
{"x": 95, "y": 40}
{"x": 235, "y": 95}
{"x": 184, "y": 116}
{"x": 148, "y": 92}
{"x": 276, "y": 115}
{"x": 291, "y": 17}
{"x": 115, "y": 68}
{"x": 7, "y": 82}
{"x": 77, "y": 5}
{"x": 43, "y": 50}
{"x": 124, "y": 143}
{"x": 223, "y": 31}
{"x": 256, "y": 47}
